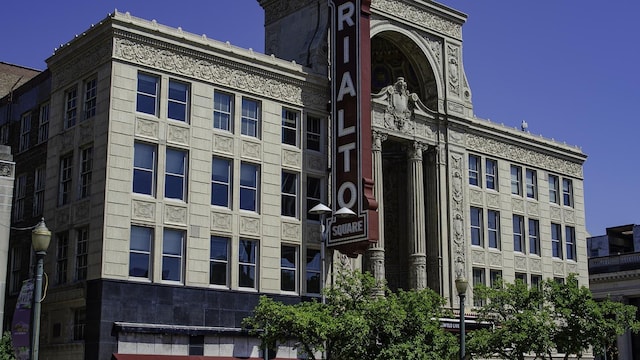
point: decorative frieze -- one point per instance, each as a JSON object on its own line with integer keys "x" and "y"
{"x": 291, "y": 231}
{"x": 291, "y": 158}
{"x": 178, "y": 134}
{"x": 458, "y": 226}
{"x": 143, "y": 210}
{"x": 249, "y": 225}
{"x": 414, "y": 14}
{"x": 520, "y": 263}
{"x": 251, "y": 149}
{"x": 221, "y": 221}
{"x": 222, "y": 143}
{"x": 147, "y": 128}
{"x": 175, "y": 214}
{"x": 495, "y": 259}
{"x": 477, "y": 257}
{"x": 475, "y": 197}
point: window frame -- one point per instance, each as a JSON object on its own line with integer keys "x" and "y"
{"x": 86, "y": 170}
{"x": 140, "y": 169}
{"x": 290, "y": 127}
{"x": 314, "y": 132}
{"x": 215, "y": 259}
{"x": 567, "y": 192}
{"x": 476, "y": 224}
{"x": 141, "y": 107}
{"x": 289, "y": 191}
{"x": 149, "y": 235}
{"x": 221, "y": 113}
{"x": 250, "y": 126}
{"x": 43, "y": 122}
{"x": 21, "y": 195}
{"x": 90, "y": 98}
{"x": 171, "y": 177}
{"x": 82, "y": 253}
{"x": 175, "y": 105}
{"x": 518, "y": 237}
{"x": 25, "y": 132}
{"x": 478, "y": 278}
{"x": 570, "y": 242}
{"x": 250, "y": 262}
{"x": 491, "y": 174}
{"x": 246, "y": 187}
{"x": 70, "y": 107}
{"x": 495, "y": 215}
{"x": 556, "y": 241}
{"x": 534, "y": 237}
{"x": 287, "y": 267}
{"x": 219, "y": 181}
{"x": 531, "y": 183}
{"x": 62, "y": 257}
{"x": 516, "y": 180}
{"x": 65, "y": 182}
{"x": 39, "y": 183}
{"x": 475, "y": 169}
{"x": 554, "y": 189}
{"x": 314, "y": 195}
{"x": 311, "y": 270}
{"x": 168, "y": 257}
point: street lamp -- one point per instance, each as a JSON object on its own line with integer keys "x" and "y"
{"x": 40, "y": 239}
{"x": 323, "y": 210}
{"x": 461, "y": 286}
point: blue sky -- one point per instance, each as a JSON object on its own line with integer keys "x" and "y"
{"x": 567, "y": 67}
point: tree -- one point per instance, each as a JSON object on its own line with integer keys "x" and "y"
{"x": 355, "y": 323}
{"x": 557, "y": 317}
{"x": 6, "y": 347}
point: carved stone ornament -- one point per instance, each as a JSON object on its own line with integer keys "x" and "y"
{"x": 400, "y": 105}
{"x": 418, "y": 16}
{"x": 6, "y": 169}
{"x": 458, "y": 227}
{"x": 453, "y": 70}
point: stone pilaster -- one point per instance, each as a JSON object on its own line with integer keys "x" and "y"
{"x": 375, "y": 253}
{"x": 7, "y": 176}
{"x": 417, "y": 254}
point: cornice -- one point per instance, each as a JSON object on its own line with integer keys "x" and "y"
{"x": 433, "y": 20}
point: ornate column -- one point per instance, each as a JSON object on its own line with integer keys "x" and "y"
{"x": 375, "y": 253}
{"x": 417, "y": 254}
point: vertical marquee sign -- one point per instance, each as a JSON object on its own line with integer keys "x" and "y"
{"x": 351, "y": 117}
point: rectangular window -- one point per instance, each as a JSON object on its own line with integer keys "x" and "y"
{"x": 66, "y": 170}
{"x": 314, "y": 133}
{"x": 314, "y": 196}
{"x": 25, "y": 131}
{"x": 222, "y": 111}
{"x": 38, "y": 191}
{"x": 144, "y": 168}
{"x": 494, "y": 277}
{"x": 147, "y": 94}
{"x": 289, "y": 203}
{"x": 290, "y": 120}
{"x": 172, "y": 248}
{"x": 21, "y": 193}
{"x": 86, "y": 168}
{"x": 43, "y": 127}
{"x": 554, "y": 189}
{"x": 178, "y": 104}
{"x": 518, "y": 233}
{"x": 219, "y": 261}
{"x": 534, "y": 237}
{"x": 493, "y": 228}
{"x": 175, "y": 179}
{"x": 570, "y": 241}
{"x": 141, "y": 241}
{"x": 62, "y": 260}
{"x": 70, "y": 107}
{"x": 567, "y": 192}
{"x": 79, "y": 323}
{"x": 474, "y": 170}
{"x": 221, "y": 182}
{"x": 314, "y": 271}
{"x": 532, "y": 184}
{"x": 516, "y": 180}
{"x": 90, "y": 96}
{"x": 491, "y": 174}
{"x": 247, "y": 263}
{"x": 289, "y": 268}
{"x": 4, "y": 134}
{"x": 250, "y": 118}
{"x": 476, "y": 226}
{"x": 196, "y": 345}
{"x": 249, "y": 180}
{"x": 15, "y": 281}
{"x": 556, "y": 241}
{"x": 521, "y": 277}
{"x": 536, "y": 281}
{"x": 478, "y": 279}
{"x": 82, "y": 254}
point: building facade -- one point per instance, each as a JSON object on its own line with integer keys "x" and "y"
{"x": 179, "y": 171}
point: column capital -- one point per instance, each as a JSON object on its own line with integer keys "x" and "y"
{"x": 415, "y": 149}
{"x": 378, "y": 138}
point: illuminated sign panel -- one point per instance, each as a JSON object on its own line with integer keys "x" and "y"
{"x": 351, "y": 112}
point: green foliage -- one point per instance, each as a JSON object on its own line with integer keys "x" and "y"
{"x": 356, "y": 323}
{"x": 6, "y": 348}
{"x": 558, "y": 317}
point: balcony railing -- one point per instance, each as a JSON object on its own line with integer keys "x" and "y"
{"x": 614, "y": 263}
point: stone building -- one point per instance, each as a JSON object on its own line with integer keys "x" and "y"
{"x": 180, "y": 171}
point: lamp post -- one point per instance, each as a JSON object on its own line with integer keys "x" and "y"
{"x": 40, "y": 239}
{"x": 461, "y": 286}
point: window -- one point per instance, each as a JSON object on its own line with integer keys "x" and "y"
{"x": 532, "y": 184}
{"x": 90, "y": 94}
{"x": 247, "y": 262}
{"x": 175, "y": 179}
{"x": 248, "y": 187}
{"x": 172, "y": 245}
{"x": 521, "y": 277}
{"x": 86, "y": 167}
{"x": 314, "y": 194}
{"x": 570, "y": 241}
{"x": 221, "y": 182}
{"x": 147, "y": 97}
{"x": 222, "y": 111}
{"x": 290, "y": 120}
{"x": 516, "y": 180}
{"x": 314, "y": 133}
{"x": 518, "y": 233}
{"x": 554, "y": 189}
{"x": 144, "y": 168}
{"x": 493, "y": 227}
{"x": 288, "y": 268}
{"x": 43, "y": 127}
{"x": 474, "y": 170}
{"x": 534, "y": 237}
{"x": 25, "y": 130}
{"x": 556, "y": 241}
{"x": 64, "y": 191}
{"x": 494, "y": 277}
{"x": 70, "y": 107}
{"x": 196, "y": 345}
{"x": 250, "y": 119}
{"x": 491, "y": 174}
{"x": 82, "y": 240}
{"x": 62, "y": 250}
{"x": 15, "y": 282}
{"x": 289, "y": 203}
{"x": 567, "y": 192}
{"x": 21, "y": 193}
{"x": 536, "y": 281}
{"x": 314, "y": 271}
{"x": 178, "y": 104}
{"x": 219, "y": 261}
{"x": 4, "y": 134}
{"x": 140, "y": 251}
{"x": 38, "y": 191}
{"x": 559, "y": 280}
{"x": 79, "y": 323}
{"x": 478, "y": 279}
{"x": 476, "y": 226}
